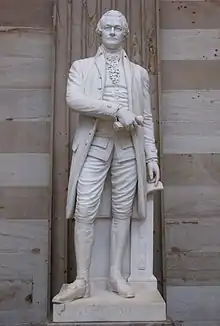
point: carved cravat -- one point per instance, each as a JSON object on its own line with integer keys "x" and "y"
{"x": 112, "y": 66}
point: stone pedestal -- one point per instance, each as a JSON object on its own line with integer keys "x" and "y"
{"x": 148, "y": 323}
{"x": 104, "y": 306}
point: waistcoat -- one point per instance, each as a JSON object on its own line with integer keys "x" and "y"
{"x": 107, "y": 139}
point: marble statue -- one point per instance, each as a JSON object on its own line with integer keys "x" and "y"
{"x": 115, "y": 135}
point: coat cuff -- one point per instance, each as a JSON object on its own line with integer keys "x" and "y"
{"x": 112, "y": 109}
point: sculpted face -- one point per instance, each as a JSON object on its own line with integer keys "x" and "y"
{"x": 112, "y": 33}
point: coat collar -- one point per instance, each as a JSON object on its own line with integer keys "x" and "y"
{"x": 100, "y": 58}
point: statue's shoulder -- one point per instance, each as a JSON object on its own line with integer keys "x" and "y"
{"x": 83, "y": 63}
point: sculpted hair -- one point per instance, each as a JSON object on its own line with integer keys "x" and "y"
{"x": 116, "y": 13}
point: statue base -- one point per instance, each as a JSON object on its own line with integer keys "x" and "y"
{"x": 104, "y": 306}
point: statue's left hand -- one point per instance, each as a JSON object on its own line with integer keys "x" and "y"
{"x": 153, "y": 172}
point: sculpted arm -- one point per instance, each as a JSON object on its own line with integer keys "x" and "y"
{"x": 79, "y": 102}
{"x": 149, "y": 139}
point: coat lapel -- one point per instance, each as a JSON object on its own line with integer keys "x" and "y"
{"x": 128, "y": 77}
{"x": 100, "y": 65}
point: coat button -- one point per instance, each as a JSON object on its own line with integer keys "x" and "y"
{"x": 109, "y": 105}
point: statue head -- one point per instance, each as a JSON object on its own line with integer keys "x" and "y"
{"x": 113, "y": 29}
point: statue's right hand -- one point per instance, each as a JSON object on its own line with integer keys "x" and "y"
{"x": 126, "y": 118}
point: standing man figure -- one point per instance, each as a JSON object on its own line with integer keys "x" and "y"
{"x": 108, "y": 91}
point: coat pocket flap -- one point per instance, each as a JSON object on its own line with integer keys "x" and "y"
{"x": 100, "y": 142}
{"x": 126, "y": 143}
{"x": 129, "y": 145}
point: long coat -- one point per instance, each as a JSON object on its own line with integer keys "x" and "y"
{"x": 85, "y": 88}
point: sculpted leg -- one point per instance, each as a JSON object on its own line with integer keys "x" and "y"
{"x": 124, "y": 181}
{"x": 89, "y": 190}
{"x": 119, "y": 234}
{"x": 83, "y": 237}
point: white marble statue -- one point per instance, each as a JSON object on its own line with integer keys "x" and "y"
{"x": 115, "y": 135}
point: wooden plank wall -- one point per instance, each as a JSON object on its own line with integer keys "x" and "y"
{"x": 60, "y": 147}
{"x": 26, "y": 45}
{"x": 190, "y": 53}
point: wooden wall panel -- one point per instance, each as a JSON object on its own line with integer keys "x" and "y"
{"x": 189, "y": 41}
{"x": 190, "y": 44}
{"x": 192, "y": 222}
{"x": 26, "y": 13}
{"x": 26, "y": 68}
{"x": 190, "y": 137}
{"x": 25, "y": 104}
{"x": 19, "y": 290}
{"x": 183, "y": 269}
{"x": 23, "y": 270}
{"x": 28, "y": 202}
{"x": 191, "y": 106}
{"x": 76, "y": 31}
{"x": 199, "y": 323}
{"x": 192, "y": 170}
{"x": 24, "y": 169}
{"x": 25, "y": 136}
{"x": 60, "y": 147}
{"x": 89, "y": 17}
{"x": 205, "y": 75}
{"x": 195, "y": 304}
{"x": 188, "y": 242}
{"x": 191, "y": 202}
{"x": 26, "y": 59}
{"x": 189, "y": 14}
{"x": 28, "y": 43}
{"x": 190, "y": 121}
{"x": 19, "y": 72}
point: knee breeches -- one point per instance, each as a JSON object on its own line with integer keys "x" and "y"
{"x": 91, "y": 184}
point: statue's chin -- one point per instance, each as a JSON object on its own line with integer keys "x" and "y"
{"x": 112, "y": 46}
